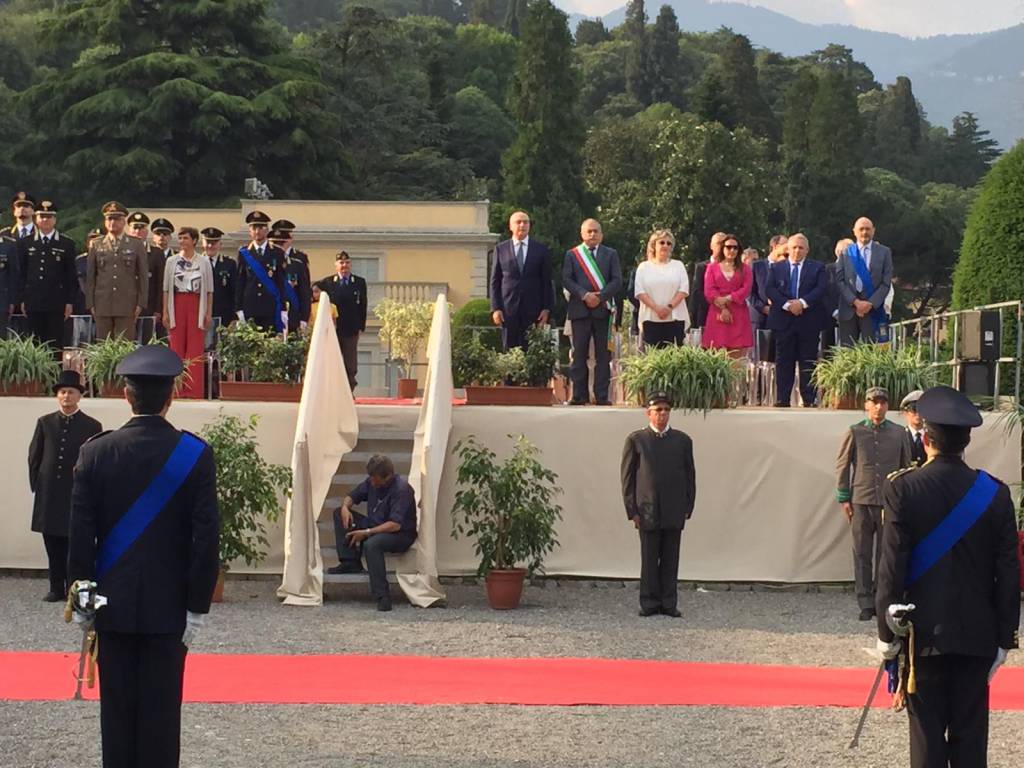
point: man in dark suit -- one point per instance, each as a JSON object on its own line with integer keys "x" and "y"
{"x": 863, "y": 277}
{"x": 796, "y": 289}
{"x": 698, "y": 304}
{"x": 915, "y": 427}
{"x": 963, "y": 585}
{"x": 522, "y": 293}
{"x": 52, "y": 455}
{"x": 347, "y": 292}
{"x": 145, "y": 529}
{"x": 46, "y": 269}
{"x": 259, "y": 288}
{"x": 659, "y": 485}
{"x": 592, "y": 275}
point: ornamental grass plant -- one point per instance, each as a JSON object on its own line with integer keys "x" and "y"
{"x": 846, "y": 374}
{"x": 694, "y": 378}
{"x": 23, "y": 360}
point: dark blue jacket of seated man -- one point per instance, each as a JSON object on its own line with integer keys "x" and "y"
{"x": 389, "y": 525}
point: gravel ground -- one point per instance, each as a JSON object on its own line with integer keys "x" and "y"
{"x": 559, "y": 619}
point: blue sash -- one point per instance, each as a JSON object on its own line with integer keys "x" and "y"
{"x": 261, "y": 274}
{"x": 878, "y": 316}
{"x": 150, "y": 503}
{"x": 953, "y": 526}
{"x": 291, "y": 295}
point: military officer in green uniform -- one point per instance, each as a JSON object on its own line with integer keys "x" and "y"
{"x": 117, "y": 276}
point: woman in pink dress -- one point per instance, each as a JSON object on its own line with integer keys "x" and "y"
{"x": 727, "y": 284}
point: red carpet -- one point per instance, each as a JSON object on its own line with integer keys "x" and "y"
{"x": 401, "y": 401}
{"x": 431, "y": 680}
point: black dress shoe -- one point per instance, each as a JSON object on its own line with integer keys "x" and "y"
{"x": 346, "y": 566}
{"x": 604, "y": 402}
{"x": 648, "y": 611}
{"x": 782, "y": 405}
{"x": 673, "y": 612}
{"x": 52, "y": 597}
{"x": 383, "y": 603}
{"x": 866, "y": 614}
{"x": 577, "y": 402}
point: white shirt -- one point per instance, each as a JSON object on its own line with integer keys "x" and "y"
{"x": 526, "y": 248}
{"x": 660, "y": 282}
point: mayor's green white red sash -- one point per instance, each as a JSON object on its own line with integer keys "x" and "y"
{"x": 587, "y": 263}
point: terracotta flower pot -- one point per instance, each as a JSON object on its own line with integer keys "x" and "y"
{"x": 503, "y": 395}
{"x": 111, "y": 389}
{"x": 25, "y": 389}
{"x": 504, "y": 588}
{"x": 260, "y": 391}
{"x": 406, "y": 389}
{"x": 218, "y": 589}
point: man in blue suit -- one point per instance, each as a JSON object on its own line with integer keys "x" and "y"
{"x": 522, "y": 293}
{"x": 796, "y": 290}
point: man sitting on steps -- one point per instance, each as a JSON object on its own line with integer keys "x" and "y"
{"x": 389, "y": 525}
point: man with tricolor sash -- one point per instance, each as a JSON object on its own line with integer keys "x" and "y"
{"x": 259, "y": 288}
{"x": 949, "y": 552}
{"x": 863, "y": 278}
{"x": 144, "y": 531}
{"x": 593, "y": 278}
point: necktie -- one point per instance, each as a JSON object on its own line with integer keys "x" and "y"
{"x": 794, "y": 280}
{"x": 24, "y": 231}
{"x": 864, "y": 255}
{"x": 520, "y": 256}
{"x": 918, "y": 446}
{"x": 259, "y": 251}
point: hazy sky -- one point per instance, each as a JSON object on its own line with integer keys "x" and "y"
{"x": 912, "y": 18}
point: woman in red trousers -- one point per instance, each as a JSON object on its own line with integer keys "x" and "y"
{"x": 188, "y": 307}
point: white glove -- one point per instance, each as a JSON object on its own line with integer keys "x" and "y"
{"x": 241, "y": 315}
{"x": 888, "y": 650}
{"x": 284, "y": 317}
{"x": 85, "y": 623}
{"x": 999, "y": 661}
{"x": 193, "y": 623}
{"x": 303, "y": 325}
{"x": 900, "y": 627}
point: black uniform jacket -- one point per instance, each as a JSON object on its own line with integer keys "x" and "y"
{"x": 52, "y": 455}
{"x": 81, "y": 266}
{"x": 350, "y": 300}
{"x": 47, "y": 272}
{"x": 659, "y": 482}
{"x": 156, "y": 259}
{"x": 296, "y": 272}
{"x": 250, "y": 294}
{"x": 969, "y": 601}
{"x": 225, "y": 274}
{"x": 9, "y": 280}
{"x": 172, "y": 565}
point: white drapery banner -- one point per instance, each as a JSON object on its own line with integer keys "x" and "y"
{"x": 326, "y": 429}
{"x": 417, "y": 568}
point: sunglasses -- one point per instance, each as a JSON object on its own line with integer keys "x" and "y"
{"x": 732, "y": 247}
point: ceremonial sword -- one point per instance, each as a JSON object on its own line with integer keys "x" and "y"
{"x": 867, "y": 706}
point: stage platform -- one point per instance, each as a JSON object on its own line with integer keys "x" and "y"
{"x": 765, "y": 508}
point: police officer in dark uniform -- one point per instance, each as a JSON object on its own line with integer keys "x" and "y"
{"x": 9, "y": 279}
{"x": 225, "y": 274}
{"x": 259, "y": 290}
{"x": 52, "y": 455}
{"x": 949, "y": 548}
{"x": 78, "y": 307}
{"x": 23, "y": 205}
{"x": 915, "y": 426}
{"x": 46, "y": 267}
{"x": 144, "y": 527}
{"x": 347, "y": 292}
{"x": 156, "y": 258}
{"x": 298, "y": 291}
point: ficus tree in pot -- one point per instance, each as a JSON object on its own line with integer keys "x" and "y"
{"x": 508, "y": 508}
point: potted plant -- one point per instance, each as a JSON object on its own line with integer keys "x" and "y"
{"x": 694, "y": 378}
{"x": 515, "y": 377}
{"x": 1012, "y": 419}
{"x": 509, "y": 509}
{"x": 846, "y": 374}
{"x": 101, "y": 360}
{"x": 27, "y": 368}
{"x": 262, "y": 365}
{"x": 405, "y": 325}
{"x": 248, "y": 491}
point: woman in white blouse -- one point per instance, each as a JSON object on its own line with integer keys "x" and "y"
{"x": 188, "y": 307}
{"x": 662, "y": 286}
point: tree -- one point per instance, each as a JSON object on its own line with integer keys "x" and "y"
{"x": 840, "y": 59}
{"x": 542, "y": 171}
{"x": 991, "y": 264}
{"x": 515, "y": 17}
{"x": 897, "y": 135}
{"x": 634, "y": 30}
{"x": 603, "y": 70}
{"x": 591, "y": 32}
{"x": 745, "y": 105}
{"x": 483, "y": 12}
{"x": 795, "y": 151}
{"x": 485, "y": 57}
{"x": 480, "y": 132}
{"x": 663, "y": 64}
{"x": 970, "y": 151}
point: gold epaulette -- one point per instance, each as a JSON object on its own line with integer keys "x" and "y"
{"x": 899, "y": 472}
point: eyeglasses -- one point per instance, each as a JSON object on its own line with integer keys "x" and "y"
{"x": 665, "y": 242}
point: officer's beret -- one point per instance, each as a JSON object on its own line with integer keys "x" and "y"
{"x": 161, "y": 226}
{"x": 154, "y": 360}
{"x": 69, "y": 379}
{"x": 138, "y": 218}
{"x": 877, "y": 393}
{"x": 279, "y": 234}
{"x": 46, "y": 208}
{"x": 114, "y": 208}
{"x": 23, "y": 198}
{"x": 946, "y": 407}
{"x": 657, "y": 398}
{"x": 910, "y": 401}
{"x": 257, "y": 217}
{"x": 94, "y": 233}
{"x": 283, "y": 224}
{"x": 211, "y": 233}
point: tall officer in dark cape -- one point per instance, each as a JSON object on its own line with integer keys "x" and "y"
{"x": 52, "y": 455}
{"x": 659, "y": 485}
{"x": 145, "y": 528}
{"x": 949, "y": 548}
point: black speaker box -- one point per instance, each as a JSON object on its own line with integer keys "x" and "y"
{"x": 978, "y": 379}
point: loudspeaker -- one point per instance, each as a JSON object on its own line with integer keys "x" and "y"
{"x": 979, "y": 335}
{"x": 978, "y": 379}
